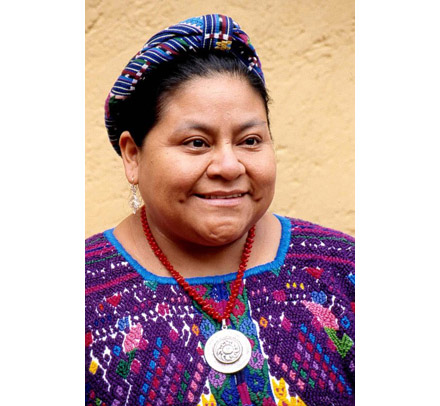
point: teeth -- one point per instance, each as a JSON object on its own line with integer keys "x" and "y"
{"x": 223, "y": 197}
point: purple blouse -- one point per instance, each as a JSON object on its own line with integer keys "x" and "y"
{"x": 145, "y": 337}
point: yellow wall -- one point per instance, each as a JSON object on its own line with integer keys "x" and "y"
{"x": 307, "y": 52}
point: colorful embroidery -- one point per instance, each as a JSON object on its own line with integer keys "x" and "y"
{"x": 343, "y": 344}
{"x": 145, "y": 339}
{"x": 283, "y": 398}
{"x": 93, "y": 367}
{"x": 133, "y": 338}
{"x": 323, "y": 317}
{"x": 209, "y": 402}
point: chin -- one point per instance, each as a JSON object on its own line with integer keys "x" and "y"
{"x": 222, "y": 233}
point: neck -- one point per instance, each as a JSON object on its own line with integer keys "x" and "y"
{"x": 192, "y": 259}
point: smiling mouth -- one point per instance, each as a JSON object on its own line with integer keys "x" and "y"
{"x": 221, "y": 196}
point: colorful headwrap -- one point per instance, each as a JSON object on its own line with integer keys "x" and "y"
{"x": 209, "y": 32}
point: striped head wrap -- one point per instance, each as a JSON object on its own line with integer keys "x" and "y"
{"x": 209, "y": 32}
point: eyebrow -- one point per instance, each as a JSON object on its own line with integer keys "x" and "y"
{"x": 208, "y": 129}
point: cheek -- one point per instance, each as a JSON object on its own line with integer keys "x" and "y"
{"x": 169, "y": 175}
{"x": 266, "y": 173}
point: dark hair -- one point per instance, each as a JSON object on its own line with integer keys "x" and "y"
{"x": 142, "y": 111}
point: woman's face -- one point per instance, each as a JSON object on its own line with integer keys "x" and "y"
{"x": 206, "y": 170}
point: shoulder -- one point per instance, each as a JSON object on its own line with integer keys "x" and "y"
{"x": 95, "y": 242}
{"x": 307, "y": 238}
{"x": 99, "y": 253}
{"x": 97, "y": 249}
{"x": 309, "y": 228}
{"x": 105, "y": 265}
{"x": 321, "y": 253}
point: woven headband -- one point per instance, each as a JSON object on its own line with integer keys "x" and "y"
{"x": 209, "y": 32}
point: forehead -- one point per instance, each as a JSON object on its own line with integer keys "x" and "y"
{"x": 215, "y": 97}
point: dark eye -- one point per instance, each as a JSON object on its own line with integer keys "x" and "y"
{"x": 196, "y": 143}
{"x": 252, "y": 141}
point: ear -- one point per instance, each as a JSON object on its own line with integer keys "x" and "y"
{"x": 130, "y": 153}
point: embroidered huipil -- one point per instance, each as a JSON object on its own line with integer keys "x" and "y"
{"x": 145, "y": 337}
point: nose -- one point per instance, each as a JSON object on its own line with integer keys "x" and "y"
{"x": 225, "y": 163}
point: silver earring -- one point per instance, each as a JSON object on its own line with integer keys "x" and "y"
{"x": 134, "y": 199}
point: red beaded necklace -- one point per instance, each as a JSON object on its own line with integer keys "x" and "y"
{"x": 206, "y": 307}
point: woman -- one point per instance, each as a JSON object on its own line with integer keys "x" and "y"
{"x": 202, "y": 296}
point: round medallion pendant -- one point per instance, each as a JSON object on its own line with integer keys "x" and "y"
{"x": 228, "y": 351}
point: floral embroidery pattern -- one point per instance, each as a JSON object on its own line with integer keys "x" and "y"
{"x": 256, "y": 360}
{"x": 133, "y": 338}
{"x": 216, "y": 378}
{"x": 323, "y": 316}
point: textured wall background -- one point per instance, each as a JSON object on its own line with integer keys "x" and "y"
{"x": 307, "y": 52}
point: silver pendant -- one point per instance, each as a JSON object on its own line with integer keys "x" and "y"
{"x": 227, "y": 351}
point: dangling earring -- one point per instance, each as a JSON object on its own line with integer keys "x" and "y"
{"x": 134, "y": 199}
